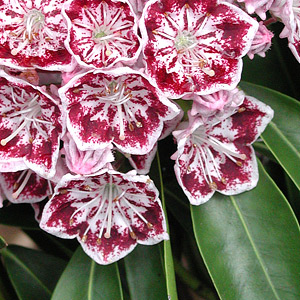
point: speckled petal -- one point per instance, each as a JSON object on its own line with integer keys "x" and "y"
{"x": 25, "y": 186}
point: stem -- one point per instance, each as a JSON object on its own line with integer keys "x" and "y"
{"x": 168, "y": 257}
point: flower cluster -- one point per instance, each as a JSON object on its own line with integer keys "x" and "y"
{"x": 83, "y": 83}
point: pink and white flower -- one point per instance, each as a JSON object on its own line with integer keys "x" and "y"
{"x": 117, "y": 107}
{"x": 85, "y": 162}
{"x": 30, "y": 127}
{"x": 260, "y": 7}
{"x": 216, "y": 104}
{"x": 32, "y": 35}
{"x": 261, "y": 42}
{"x": 101, "y": 32}
{"x": 109, "y": 213}
{"x": 195, "y": 47}
{"x": 217, "y": 155}
{"x": 25, "y": 186}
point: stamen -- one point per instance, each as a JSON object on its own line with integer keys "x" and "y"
{"x": 16, "y": 194}
{"x": 109, "y": 208}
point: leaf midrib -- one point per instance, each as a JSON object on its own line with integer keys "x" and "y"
{"x": 291, "y": 146}
{"x": 21, "y": 264}
{"x": 260, "y": 260}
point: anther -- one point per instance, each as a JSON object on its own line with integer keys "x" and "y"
{"x": 224, "y": 181}
{"x": 84, "y": 238}
{"x": 87, "y": 188}
{"x": 241, "y": 109}
{"x": 98, "y": 241}
{"x": 131, "y": 127}
{"x": 239, "y": 163}
{"x": 122, "y": 137}
{"x": 133, "y": 235}
{"x": 108, "y": 53}
{"x": 148, "y": 181}
{"x": 149, "y": 225}
{"x": 138, "y": 124}
{"x": 71, "y": 222}
{"x": 30, "y": 140}
{"x": 154, "y": 32}
{"x": 213, "y": 185}
{"x": 63, "y": 192}
{"x": 76, "y": 91}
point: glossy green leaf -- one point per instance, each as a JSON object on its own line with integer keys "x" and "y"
{"x": 250, "y": 243}
{"x": 83, "y": 279}
{"x": 33, "y": 273}
{"x": 282, "y": 136}
{"x": 168, "y": 258}
{"x": 145, "y": 274}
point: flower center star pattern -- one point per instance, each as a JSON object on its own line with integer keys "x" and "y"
{"x": 33, "y": 34}
{"x": 102, "y": 33}
{"x": 194, "y": 47}
{"x": 108, "y": 212}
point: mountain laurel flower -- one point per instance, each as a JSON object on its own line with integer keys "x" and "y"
{"x": 117, "y": 107}
{"x": 261, "y": 42}
{"x": 109, "y": 213}
{"x": 85, "y": 162}
{"x": 102, "y": 32}
{"x": 215, "y": 104}
{"x": 30, "y": 127}
{"x": 260, "y": 7}
{"x": 195, "y": 47}
{"x": 25, "y": 186}
{"x": 32, "y": 35}
{"x": 217, "y": 155}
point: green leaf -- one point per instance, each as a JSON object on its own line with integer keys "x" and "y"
{"x": 3, "y": 243}
{"x": 250, "y": 243}
{"x": 168, "y": 258}
{"x": 83, "y": 279}
{"x": 282, "y": 136}
{"x": 33, "y": 273}
{"x": 145, "y": 274}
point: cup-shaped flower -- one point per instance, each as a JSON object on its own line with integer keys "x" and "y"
{"x": 119, "y": 107}
{"x": 32, "y": 35}
{"x": 109, "y": 213}
{"x": 101, "y": 33}
{"x": 30, "y": 127}
{"x": 217, "y": 155}
{"x": 25, "y": 186}
{"x": 195, "y": 46}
